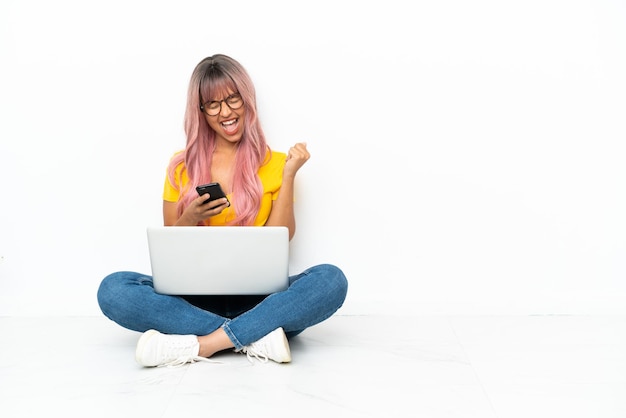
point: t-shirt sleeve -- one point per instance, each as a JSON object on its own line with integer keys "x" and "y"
{"x": 271, "y": 174}
{"x": 170, "y": 193}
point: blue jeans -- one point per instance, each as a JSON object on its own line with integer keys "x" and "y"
{"x": 129, "y": 299}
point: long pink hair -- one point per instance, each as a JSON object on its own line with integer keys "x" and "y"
{"x": 212, "y": 77}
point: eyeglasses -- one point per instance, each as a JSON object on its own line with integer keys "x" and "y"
{"x": 214, "y": 107}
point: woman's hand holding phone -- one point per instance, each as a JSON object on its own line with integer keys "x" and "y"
{"x": 216, "y": 199}
{"x": 212, "y": 201}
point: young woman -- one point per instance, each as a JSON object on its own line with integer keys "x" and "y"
{"x": 225, "y": 144}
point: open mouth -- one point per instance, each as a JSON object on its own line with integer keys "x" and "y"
{"x": 230, "y": 126}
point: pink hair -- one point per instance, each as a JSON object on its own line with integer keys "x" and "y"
{"x": 213, "y": 77}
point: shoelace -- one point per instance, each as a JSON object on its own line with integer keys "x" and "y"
{"x": 252, "y": 351}
{"x": 181, "y": 361}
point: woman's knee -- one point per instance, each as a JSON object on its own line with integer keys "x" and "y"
{"x": 334, "y": 279}
{"x": 113, "y": 288}
{"x": 334, "y": 274}
{"x": 107, "y": 290}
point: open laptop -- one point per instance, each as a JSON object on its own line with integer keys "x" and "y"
{"x": 219, "y": 260}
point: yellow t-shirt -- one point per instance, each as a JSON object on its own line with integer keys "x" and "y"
{"x": 270, "y": 174}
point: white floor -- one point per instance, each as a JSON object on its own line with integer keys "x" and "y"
{"x": 348, "y": 366}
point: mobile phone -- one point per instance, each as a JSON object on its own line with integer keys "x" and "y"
{"x": 214, "y": 190}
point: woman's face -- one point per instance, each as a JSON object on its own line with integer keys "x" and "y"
{"x": 225, "y": 115}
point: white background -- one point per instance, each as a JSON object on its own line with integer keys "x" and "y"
{"x": 467, "y": 156}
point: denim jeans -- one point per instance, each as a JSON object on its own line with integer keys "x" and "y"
{"x": 129, "y": 299}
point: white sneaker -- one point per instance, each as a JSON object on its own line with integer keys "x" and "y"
{"x": 155, "y": 349}
{"x": 274, "y": 346}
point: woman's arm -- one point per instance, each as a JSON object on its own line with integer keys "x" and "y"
{"x": 282, "y": 213}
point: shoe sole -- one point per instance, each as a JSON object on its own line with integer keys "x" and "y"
{"x": 141, "y": 344}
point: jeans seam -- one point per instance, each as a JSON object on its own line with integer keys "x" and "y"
{"x": 233, "y": 339}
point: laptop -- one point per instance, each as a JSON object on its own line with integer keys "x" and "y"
{"x": 219, "y": 260}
